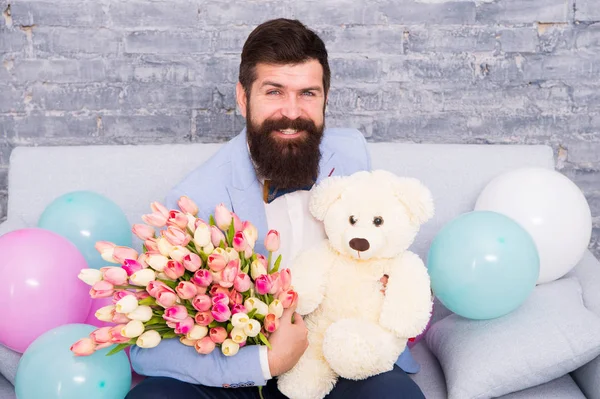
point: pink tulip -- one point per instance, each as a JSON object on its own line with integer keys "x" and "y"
{"x": 175, "y": 313}
{"x": 192, "y": 262}
{"x": 285, "y": 276}
{"x": 155, "y": 286}
{"x": 202, "y": 303}
{"x": 187, "y": 205}
{"x": 205, "y": 345}
{"x": 248, "y": 251}
{"x": 216, "y": 276}
{"x": 263, "y": 284}
{"x": 222, "y": 217}
{"x": 155, "y": 219}
{"x": 237, "y": 223}
{"x": 221, "y": 312}
{"x": 271, "y": 323}
{"x": 115, "y": 334}
{"x": 122, "y": 253}
{"x": 101, "y": 335}
{"x": 276, "y": 284}
{"x": 203, "y": 318}
{"x": 179, "y": 253}
{"x": 239, "y": 241}
{"x": 157, "y": 207}
{"x": 242, "y": 282}
{"x": 235, "y": 298}
{"x": 186, "y": 290}
{"x": 184, "y": 326}
{"x": 201, "y": 290}
{"x": 84, "y": 347}
{"x": 114, "y": 275}
{"x": 288, "y": 298}
{"x": 119, "y": 318}
{"x": 250, "y": 231}
{"x": 142, "y": 295}
{"x": 120, "y": 294}
{"x": 131, "y": 266}
{"x": 215, "y": 289}
{"x": 202, "y": 278}
{"x": 216, "y": 262}
{"x": 166, "y": 298}
{"x": 220, "y": 297}
{"x": 272, "y": 241}
{"x": 152, "y": 245}
{"x": 263, "y": 261}
{"x": 229, "y": 274}
{"x": 102, "y": 289}
{"x": 104, "y": 246}
{"x": 174, "y": 270}
{"x": 178, "y": 219}
{"x": 216, "y": 236}
{"x": 238, "y": 308}
{"x": 143, "y": 231}
{"x": 176, "y": 236}
{"x": 218, "y": 334}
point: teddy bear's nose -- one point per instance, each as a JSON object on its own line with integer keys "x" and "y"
{"x": 359, "y": 244}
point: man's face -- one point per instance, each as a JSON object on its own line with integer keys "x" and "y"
{"x": 285, "y": 120}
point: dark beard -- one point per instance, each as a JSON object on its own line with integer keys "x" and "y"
{"x": 289, "y": 164}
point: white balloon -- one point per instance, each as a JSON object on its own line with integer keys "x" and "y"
{"x": 551, "y": 208}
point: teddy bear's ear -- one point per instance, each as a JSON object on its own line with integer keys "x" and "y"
{"x": 413, "y": 194}
{"x": 324, "y": 194}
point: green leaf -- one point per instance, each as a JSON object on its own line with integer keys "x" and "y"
{"x": 222, "y": 244}
{"x": 119, "y": 348}
{"x": 149, "y": 301}
{"x": 213, "y": 324}
{"x": 264, "y": 340}
{"x": 172, "y": 284}
{"x": 211, "y": 221}
{"x": 229, "y": 327}
{"x": 259, "y": 317}
{"x": 170, "y": 334}
{"x": 277, "y": 262}
{"x": 144, "y": 248}
{"x": 231, "y": 233}
{"x": 252, "y": 313}
{"x": 155, "y": 320}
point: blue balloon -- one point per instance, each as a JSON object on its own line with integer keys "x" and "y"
{"x": 48, "y": 369}
{"x": 85, "y": 217}
{"x": 483, "y": 265}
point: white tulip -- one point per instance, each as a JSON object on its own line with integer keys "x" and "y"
{"x": 240, "y": 320}
{"x": 238, "y": 335}
{"x": 202, "y": 235}
{"x": 276, "y": 307}
{"x": 257, "y": 269}
{"x": 127, "y": 304}
{"x": 197, "y": 332}
{"x": 133, "y": 329}
{"x": 105, "y": 313}
{"x": 148, "y": 339}
{"x": 142, "y": 277}
{"x": 157, "y": 262}
{"x": 229, "y": 348}
{"x": 142, "y": 313}
{"x": 252, "y": 328}
{"x": 255, "y": 303}
{"x": 90, "y": 276}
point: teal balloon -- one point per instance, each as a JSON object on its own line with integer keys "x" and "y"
{"x": 483, "y": 265}
{"x": 85, "y": 217}
{"x": 48, "y": 369}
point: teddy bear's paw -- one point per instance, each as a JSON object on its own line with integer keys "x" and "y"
{"x": 358, "y": 349}
{"x": 309, "y": 379}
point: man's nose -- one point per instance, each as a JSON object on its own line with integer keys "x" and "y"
{"x": 291, "y": 108}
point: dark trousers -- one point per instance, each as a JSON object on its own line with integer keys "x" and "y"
{"x": 393, "y": 384}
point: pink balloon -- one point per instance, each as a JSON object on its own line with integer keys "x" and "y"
{"x": 39, "y": 288}
{"x": 419, "y": 337}
{"x": 97, "y": 304}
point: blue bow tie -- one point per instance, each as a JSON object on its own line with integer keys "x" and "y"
{"x": 271, "y": 192}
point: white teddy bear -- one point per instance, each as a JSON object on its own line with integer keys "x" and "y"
{"x": 355, "y": 330}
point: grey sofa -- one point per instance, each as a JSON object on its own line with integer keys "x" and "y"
{"x": 133, "y": 177}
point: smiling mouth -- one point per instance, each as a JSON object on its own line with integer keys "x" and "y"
{"x": 289, "y": 133}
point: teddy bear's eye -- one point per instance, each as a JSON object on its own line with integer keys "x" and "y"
{"x": 377, "y": 221}
{"x": 352, "y": 220}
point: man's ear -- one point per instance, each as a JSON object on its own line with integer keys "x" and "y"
{"x": 240, "y": 95}
{"x": 323, "y": 195}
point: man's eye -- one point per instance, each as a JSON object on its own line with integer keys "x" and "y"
{"x": 272, "y": 92}
{"x": 308, "y": 93}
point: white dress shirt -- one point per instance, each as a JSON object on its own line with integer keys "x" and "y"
{"x": 298, "y": 230}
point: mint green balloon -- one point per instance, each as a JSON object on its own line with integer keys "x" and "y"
{"x": 483, "y": 265}
{"x": 85, "y": 217}
{"x": 49, "y": 370}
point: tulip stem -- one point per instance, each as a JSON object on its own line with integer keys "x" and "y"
{"x": 125, "y": 287}
{"x": 269, "y": 261}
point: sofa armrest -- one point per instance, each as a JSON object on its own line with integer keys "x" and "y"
{"x": 588, "y": 273}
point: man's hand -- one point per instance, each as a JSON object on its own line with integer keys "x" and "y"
{"x": 384, "y": 281}
{"x": 288, "y": 343}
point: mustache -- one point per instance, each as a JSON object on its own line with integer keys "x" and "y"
{"x": 286, "y": 123}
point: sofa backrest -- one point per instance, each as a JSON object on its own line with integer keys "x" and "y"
{"x": 134, "y": 176}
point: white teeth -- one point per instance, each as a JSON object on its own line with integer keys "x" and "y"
{"x": 288, "y": 131}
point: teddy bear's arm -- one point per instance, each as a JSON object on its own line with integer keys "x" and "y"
{"x": 408, "y": 303}
{"x": 309, "y": 276}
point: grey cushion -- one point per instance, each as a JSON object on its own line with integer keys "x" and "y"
{"x": 430, "y": 378}
{"x": 550, "y": 335}
{"x": 561, "y": 388}
{"x": 9, "y": 361}
{"x": 7, "y": 391}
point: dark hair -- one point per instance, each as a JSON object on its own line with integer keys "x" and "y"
{"x": 281, "y": 41}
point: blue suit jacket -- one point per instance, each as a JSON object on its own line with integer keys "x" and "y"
{"x": 229, "y": 177}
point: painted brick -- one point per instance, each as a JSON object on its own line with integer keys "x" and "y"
{"x": 519, "y": 40}
{"x": 582, "y": 152}
{"x": 217, "y": 125}
{"x": 168, "y": 42}
{"x": 562, "y": 67}
{"x": 231, "y": 40}
{"x": 12, "y": 40}
{"x": 557, "y": 37}
{"x": 76, "y": 41}
{"x": 334, "y": 13}
{"x": 3, "y": 205}
{"x": 5, "y": 150}
{"x": 157, "y": 96}
{"x": 449, "y": 13}
{"x": 60, "y": 70}
{"x": 355, "y": 70}
{"x": 154, "y": 14}
{"x": 218, "y": 69}
{"x": 76, "y": 97}
{"x": 11, "y": 98}
{"x": 589, "y": 38}
{"x": 519, "y": 11}
{"x": 450, "y": 40}
{"x": 71, "y": 14}
{"x": 4, "y": 176}
{"x": 45, "y": 126}
{"x": 349, "y": 99}
{"x": 363, "y": 39}
{"x": 128, "y": 129}
{"x": 240, "y": 13}
{"x": 587, "y": 10}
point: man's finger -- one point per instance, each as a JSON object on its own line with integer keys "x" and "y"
{"x": 298, "y": 320}
{"x": 288, "y": 313}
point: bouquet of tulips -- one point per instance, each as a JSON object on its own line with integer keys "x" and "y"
{"x": 195, "y": 280}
